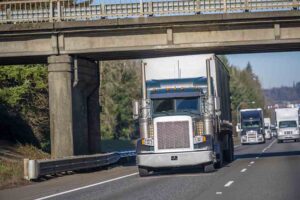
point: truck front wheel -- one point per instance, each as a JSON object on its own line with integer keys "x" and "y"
{"x": 219, "y": 162}
{"x": 143, "y": 172}
{"x": 229, "y": 153}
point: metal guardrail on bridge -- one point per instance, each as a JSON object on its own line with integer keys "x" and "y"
{"x": 20, "y": 11}
{"x": 33, "y": 169}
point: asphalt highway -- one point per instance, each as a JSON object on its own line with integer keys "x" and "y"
{"x": 267, "y": 171}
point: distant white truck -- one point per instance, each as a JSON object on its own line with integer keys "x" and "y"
{"x": 287, "y": 124}
{"x": 268, "y": 132}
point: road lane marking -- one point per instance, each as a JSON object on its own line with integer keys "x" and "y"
{"x": 87, "y": 186}
{"x": 249, "y": 165}
{"x": 236, "y": 146}
{"x": 218, "y": 193}
{"x": 243, "y": 170}
{"x": 229, "y": 183}
{"x": 269, "y": 146}
{"x": 252, "y": 162}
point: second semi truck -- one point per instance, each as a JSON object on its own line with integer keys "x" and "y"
{"x": 184, "y": 115}
{"x": 252, "y": 126}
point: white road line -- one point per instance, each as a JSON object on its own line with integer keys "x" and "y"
{"x": 249, "y": 165}
{"x": 252, "y": 162}
{"x": 85, "y": 187}
{"x": 236, "y": 146}
{"x": 243, "y": 170}
{"x": 229, "y": 183}
{"x": 269, "y": 146}
{"x": 218, "y": 193}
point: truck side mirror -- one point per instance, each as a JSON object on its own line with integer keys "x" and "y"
{"x": 238, "y": 128}
{"x": 135, "y": 109}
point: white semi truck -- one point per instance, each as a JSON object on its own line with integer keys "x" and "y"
{"x": 287, "y": 124}
{"x": 184, "y": 115}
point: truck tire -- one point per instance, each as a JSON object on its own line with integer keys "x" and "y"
{"x": 143, "y": 172}
{"x": 279, "y": 141}
{"x": 219, "y": 162}
{"x": 209, "y": 168}
{"x": 229, "y": 153}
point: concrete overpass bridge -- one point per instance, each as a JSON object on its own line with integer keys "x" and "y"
{"x": 72, "y": 37}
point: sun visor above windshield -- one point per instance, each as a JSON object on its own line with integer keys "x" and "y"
{"x": 162, "y": 94}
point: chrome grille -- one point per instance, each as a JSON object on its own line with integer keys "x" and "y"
{"x": 288, "y": 132}
{"x": 173, "y": 135}
{"x": 251, "y": 134}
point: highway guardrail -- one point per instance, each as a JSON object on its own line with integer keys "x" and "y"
{"x": 33, "y": 169}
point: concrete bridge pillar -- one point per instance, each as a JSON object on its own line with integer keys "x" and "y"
{"x": 74, "y": 106}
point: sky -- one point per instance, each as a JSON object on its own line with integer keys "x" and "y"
{"x": 273, "y": 69}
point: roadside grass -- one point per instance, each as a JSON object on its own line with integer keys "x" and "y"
{"x": 11, "y": 174}
{"x": 110, "y": 145}
{"x": 11, "y": 171}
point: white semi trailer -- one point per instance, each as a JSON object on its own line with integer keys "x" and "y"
{"x": 184, "y": 115}
{"x": 287, "y": 124}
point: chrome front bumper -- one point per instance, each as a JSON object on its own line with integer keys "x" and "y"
{"x": 254, "y": 141}
{"x": 288, "y": 137}
{"x": 176, "y": 159}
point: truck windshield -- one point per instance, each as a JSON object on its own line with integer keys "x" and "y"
{"x": 287, "y": 124}
{"x": 251, "y": 124}
{"x": 175, "y": 105}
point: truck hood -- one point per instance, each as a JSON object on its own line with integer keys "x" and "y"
{"x": 288, "y": 129}
{"x": 251, "y": 129}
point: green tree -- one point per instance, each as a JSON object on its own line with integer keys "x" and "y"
{"x": 120, "y": 84}
{"x": 24, "y": 104}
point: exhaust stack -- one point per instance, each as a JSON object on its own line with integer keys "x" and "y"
{"x": 209, "y": 111}
{"x": 144, "y": 118}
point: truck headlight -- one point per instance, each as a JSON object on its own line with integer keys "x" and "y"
{"x": 198, "y": 128}
{"x": 148, "y": 141}
{"x": 151, "y": 129}
{"x": 199, "y": 139}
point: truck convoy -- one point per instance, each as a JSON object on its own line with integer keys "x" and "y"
{"x": 184, "y": 115}
{"x": 252, "y": 126}
{"x": 287, "y": 124}
{"x": 268, "y": 131}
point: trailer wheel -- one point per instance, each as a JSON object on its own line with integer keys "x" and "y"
{"x": 229, "y": 153}
{"x": 143, "y": 172}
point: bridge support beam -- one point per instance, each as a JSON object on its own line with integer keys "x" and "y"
{"x": 74, "y": 106}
